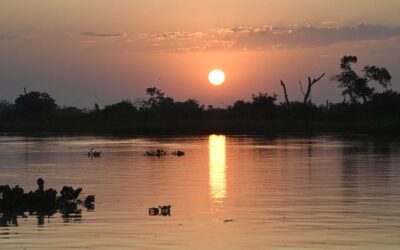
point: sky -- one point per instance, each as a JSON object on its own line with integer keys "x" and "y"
{"x": 94, "y": 51}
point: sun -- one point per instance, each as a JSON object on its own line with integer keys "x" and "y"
{"x": 216, "y": 77}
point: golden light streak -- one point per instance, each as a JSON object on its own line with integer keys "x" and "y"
{"x": 217, "y": 167}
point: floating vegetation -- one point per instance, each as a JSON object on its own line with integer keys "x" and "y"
{"x": 157, "y": 153}
{"x": 94, "y": 153}
{"x": 160, "y": 152}
{"x": 15, "y": 202}
{"x": 160, "y": 210}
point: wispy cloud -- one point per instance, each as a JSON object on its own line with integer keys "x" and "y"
{"x": 94, "y": 34}
{"x": 268, "y": 37}
{"x": 12, "y": 37}
{"x": 308, "y": 36}
{"x": 171, "y": 35}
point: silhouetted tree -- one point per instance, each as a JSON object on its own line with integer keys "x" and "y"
{"x": 241, "y": 109}
{"x": 70, "y": 113}
{"x": 123, "y": 110}
{"x": 96, "y": 108}
{"x": 6, "y": 109}
{"x": 189, "y": 109}
{"x": 5, "y": 106}
{"x": 355, "y": 86}
{"x": 307, "y": 94}
{"x": 156, "y": 97}
{"x": 301, "y": 111}
{"x": 264, "y": 100}
{"x": 165, "y": 103}
{"x": 263, "y": 105}
{"x": 285, "y": 92}
{"x": 35, "y": 102}
{"x": 386, "y": 104}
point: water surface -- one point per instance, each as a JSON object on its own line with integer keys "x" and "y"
{"x": 226, "y": 193}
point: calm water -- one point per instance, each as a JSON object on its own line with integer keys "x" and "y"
{"x": 280, "y": 193}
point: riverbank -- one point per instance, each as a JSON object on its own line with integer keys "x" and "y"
{"x": 229, "y": 127}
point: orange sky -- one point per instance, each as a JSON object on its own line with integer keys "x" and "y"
{"x": 83, "y": 52}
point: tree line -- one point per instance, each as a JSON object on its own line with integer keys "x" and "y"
{"x": 38, "y": 111}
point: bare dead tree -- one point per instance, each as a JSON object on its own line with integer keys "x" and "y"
{"x": 309, "y": 86}
{"x": 285, "y": 92}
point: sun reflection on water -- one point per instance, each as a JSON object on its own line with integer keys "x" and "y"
{"x": 217, "y": 164}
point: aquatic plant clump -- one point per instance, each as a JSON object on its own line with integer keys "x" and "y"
{"x": 94, "y": 153}
{"x": 157, "y": 153}
{"x": 41, "y": 201}
{"x": 160, "y": 210}
{"x": 160, "y": 153}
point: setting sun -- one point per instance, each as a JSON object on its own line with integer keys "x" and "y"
{"x": 216, "y": 77}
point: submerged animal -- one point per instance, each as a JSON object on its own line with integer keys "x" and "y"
{"x": 178, "y": 153}
{"x": 161, "y": 210}
{"x": 154, "y": 211}
{"x": 165, "y": 210}
{"x": 157, "y": 153}
{"x": 89, "y": 201}
{"x": 94, "y": 153}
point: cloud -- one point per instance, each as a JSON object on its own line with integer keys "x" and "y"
{"x": 4, "y": 37}
{"x": 171, "y": 35}
{"x": 11, "y": 37}
{"x": 302, "y": 37}
{"x": 268, "y": 37}
{"x": 94, "y": 34}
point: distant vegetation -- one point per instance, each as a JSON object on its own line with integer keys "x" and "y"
{"x": 363, "y": 109}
